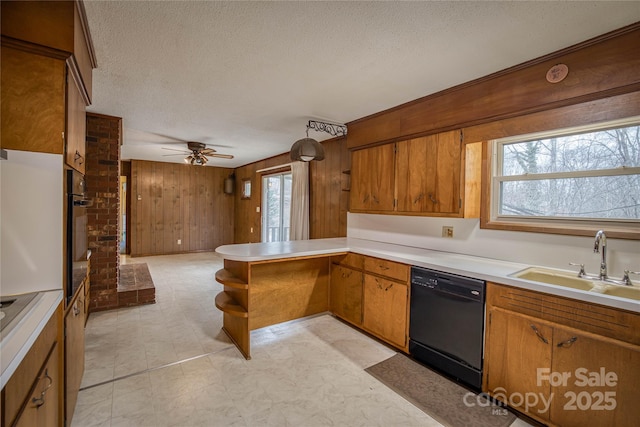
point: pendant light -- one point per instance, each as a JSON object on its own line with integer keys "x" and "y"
{"x": 308, "y": 149}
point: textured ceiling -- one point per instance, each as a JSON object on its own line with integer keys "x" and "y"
{"x": 245, "y": 77}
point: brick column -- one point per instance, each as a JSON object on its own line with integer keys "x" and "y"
{"x": 104, "y": 136}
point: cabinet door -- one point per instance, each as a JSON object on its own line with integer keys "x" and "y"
{"x": 32, "y": 99}
{"x": 76, "y": 127}
{"x": 42, "y": 406}
{"x": 587, "y": 361}
{"x": 373, "y": 179}
{"x": 428, "y": 174}
{"x": 359, "y": 196}
{"x": 382, "y": 177}
{"x": 346, "y": 293}
{"x": 385, "y": 309}
{"x": 74, "y": 352}
{"x": 411, "y": 175}
{"x": 516, "y": 346}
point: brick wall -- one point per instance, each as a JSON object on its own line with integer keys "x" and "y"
{"x": 104, "y": 135}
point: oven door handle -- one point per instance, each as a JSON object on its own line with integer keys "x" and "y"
{"x": 84, "y": 202}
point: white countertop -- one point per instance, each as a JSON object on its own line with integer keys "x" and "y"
{"x": 464, "y": 265}
{"x": 14, "y": 346}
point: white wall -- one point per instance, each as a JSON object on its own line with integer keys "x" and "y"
{"x": 31, "y": 222}
{"x": 549, "y": 250}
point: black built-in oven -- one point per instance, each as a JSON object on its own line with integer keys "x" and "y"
{"x": 446, "y": 327}
{"x": 76, "y": 232}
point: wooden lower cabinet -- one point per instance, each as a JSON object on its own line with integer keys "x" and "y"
{"x": 42, "y": 408}
{"x": 603, "y": 387}
{"x": 346, "y": 293}
{"x": 385, "y": 309}
{"x": 516, "y": 352}
{"x": 37, "y": 377}
{"x": 74, "y": 351}
{"x": 559, "y": 374}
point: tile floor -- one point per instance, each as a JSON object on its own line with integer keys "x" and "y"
{"x": 308, "y": 372}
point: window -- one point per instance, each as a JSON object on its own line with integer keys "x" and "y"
{"x": 571, "y": 176}
{"x": 276, "y": 207}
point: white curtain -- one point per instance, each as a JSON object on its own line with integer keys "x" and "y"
{"x": 299, "y": 201}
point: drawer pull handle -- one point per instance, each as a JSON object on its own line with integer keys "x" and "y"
{"x": 568, "y": 343}
{"x": 417, "y": 199}
{"x": 388, "y": 287}
{"x": 383, "y": 268}
{"x": 39, "y": 401}
{"x": 433, "y": 199}
{"x": 540, "y": 336}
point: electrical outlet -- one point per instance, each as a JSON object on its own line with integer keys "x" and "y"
{"x": 258, "y": 209}
{"x": 179, "y": 241}
{"x": 251, "y": 230}
{"x": 447, "y": 231}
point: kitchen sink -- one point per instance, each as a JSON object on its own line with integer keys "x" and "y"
{"x": 631, "y": 292}
{"x": 566, "y": 279}
{"x": 569, "y": 279}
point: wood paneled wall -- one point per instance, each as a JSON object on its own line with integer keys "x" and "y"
{"x": 600, "y": 68}
{"x": 328, "y": 202}
{"x": 329, "y": 190}
{"x": 172, "y": 202}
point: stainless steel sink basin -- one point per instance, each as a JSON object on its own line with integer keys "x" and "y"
{"x": 631, "y": 292}
{"x": 566, "y": 279}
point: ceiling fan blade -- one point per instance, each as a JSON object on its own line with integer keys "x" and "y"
{"x": 176, "y": 154}
{"x": 175, "y": 149}
{"x": 208, "y": 151}
{"x": 221, "y": 156}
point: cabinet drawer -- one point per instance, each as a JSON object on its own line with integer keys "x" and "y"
{"x": 351, "y": 260}
{"x": 605, "y": 321}
{"x": 393, "y": 270}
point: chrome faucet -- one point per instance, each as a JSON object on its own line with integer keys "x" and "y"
{"x": 601, "y": 246}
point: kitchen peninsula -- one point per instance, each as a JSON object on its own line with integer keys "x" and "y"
{"x": 270, "y": 283}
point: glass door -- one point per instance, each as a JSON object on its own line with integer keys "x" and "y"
{"x": 276, "y": 207}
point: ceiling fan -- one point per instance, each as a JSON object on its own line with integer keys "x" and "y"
{"x": 198, "y": 153}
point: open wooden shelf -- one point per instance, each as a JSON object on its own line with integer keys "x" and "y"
{"x": 227, "y": 304}
{"x": 229, "y": 279}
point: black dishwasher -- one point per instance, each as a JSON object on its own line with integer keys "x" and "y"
{"x": 446, "y": 326}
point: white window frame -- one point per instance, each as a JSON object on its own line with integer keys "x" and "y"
{"x": 263, "y": 218}
{"x": 497, "y": 178}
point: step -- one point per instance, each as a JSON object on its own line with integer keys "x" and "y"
{"x": 227, "y": 278}
{"x": 226, "y": 303}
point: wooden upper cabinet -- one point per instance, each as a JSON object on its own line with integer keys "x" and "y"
{"x": 33, "y": 102}
{"x": 372, "y": 179}
{"x": 52, "y": 28}
{"x": 434, "y": 175}
{"x": 76, "y": 126}
{"x": 428, "y": 174}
